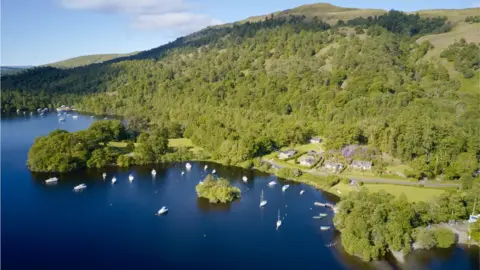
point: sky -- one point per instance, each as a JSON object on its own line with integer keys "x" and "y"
{"x": 36, "y": 32}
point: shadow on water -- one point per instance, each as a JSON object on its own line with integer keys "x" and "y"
{"x": 205, "y": 206}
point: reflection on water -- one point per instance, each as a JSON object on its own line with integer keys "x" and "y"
{"x": 204, "y": 206}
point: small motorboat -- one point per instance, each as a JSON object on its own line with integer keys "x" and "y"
{"x": 263, "y": 202}
{"x": 285, "y": 187}
{"x": 272, "y": 183}
{"x": 114, "y": 180}
{"x": 154, "y": 172}
{"x": 245, "y": 179}
{"x": 75, "y": 117}
{"x": 279, "y": 221}
{"x": 302, "y": 191}
{"x": 214, "y": 171}
{"x": 104, "y": 175}
{"x": 188, "y": 166}
{"x": 51, "y": 180}
{"x": 162, "y": 210}
{"x": 320, "y": 216}
{"x": 205, "y": 168}
{"x": 324, "y": 228}
{"x": 80, "y": 187}
{"x": 130, "y": 178}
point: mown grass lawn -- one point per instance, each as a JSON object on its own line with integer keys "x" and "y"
{"x": 414, "y": 194}
{"x": 184, "y": 142}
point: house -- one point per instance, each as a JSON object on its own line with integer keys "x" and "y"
{"x": 286, "y": 154}
{"x": 315, "y": 140}
{"x": 307, "y": 161}
{"x": 361, "y": 165}
{"x": 335, "y": 166}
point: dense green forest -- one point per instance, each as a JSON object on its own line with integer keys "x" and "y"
{"x": 244, "y": 90}
{"x": 374, "y": 223}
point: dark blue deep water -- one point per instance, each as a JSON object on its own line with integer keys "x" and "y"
{"x": 114, "y": 227}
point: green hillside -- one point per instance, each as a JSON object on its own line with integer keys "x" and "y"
{"x": 87, "y": 60}
{"x": 242, "y": 91}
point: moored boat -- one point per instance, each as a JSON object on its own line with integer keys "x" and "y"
{"x": 272, "y": 183}
{"x": 324, "y": 228}
{"x": 285, "y": 187}
{"x": 263, "y": 202}
{"x": 130, "y": 178}
{"x": 245, "y": 179}
{"x": 51, "y": 180}
{"x": 188, "y": 166}
{"x": 114, "y": 180}
{"x": 154, "y": 172}
{"x": 162, "y": 210}
{"x": 302, "y": 191}
{"x": 279, "y": 221}
{"x": 80, "y": 187}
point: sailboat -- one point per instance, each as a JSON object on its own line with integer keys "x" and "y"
{"x": 51, "y": 180}
{"x": 263, "y": 202}
{"x": 285, "y": 187}
{"x": 130, "y": 178}
{"x": 205, "y": 168}
{"x": 245, "y": 179}
{"x": 324, "y": 228}
{"x": 104, "y": 175}
{"x": 183, "y": 172}
{"x": 214, "y": 171}
{"x": 80, "y": 187}
{"x": 114, "y": 179}
{"x": 188, "y": 166}
{"x": 302, "y": 191}
{"x": 154, "y": 172}
{"x": 279, "y": 222}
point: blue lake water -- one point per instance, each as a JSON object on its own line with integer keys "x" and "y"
{"x": 114, "y": 227}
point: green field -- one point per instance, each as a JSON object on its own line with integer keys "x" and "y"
{"x": 414, "y": 194}
{"x": 184, "y": 142}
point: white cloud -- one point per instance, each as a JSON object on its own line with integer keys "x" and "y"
{"x": 174, "y": 15}
{"x": 182, "y": 21}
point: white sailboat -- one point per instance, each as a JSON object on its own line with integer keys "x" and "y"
{"x": 285, "y": 187}
{"x": 51, "y": 180}
{"x": 75, "y": 117}
{"x": 104, "y": 175}
{"x": 324, "y": 228}
{"x": 214, "y": 171}
{"x": 279, "y": 221}
{"x": 188, "y": 166}
{"x": 205, "y": 168}
{"x": 154, "y": 172}
{"x": 245, "y": 179}
{"x": 162, "y": 210}
{"x": 130, "y": 178}
{"x": 183, "y": 172}
{"x": 263, "y": 202}
{"x": 302, "y": 191}
{"x": 114, "y": 180}
{"x": 80, "y": 187}
{"x": 272, "y": 183}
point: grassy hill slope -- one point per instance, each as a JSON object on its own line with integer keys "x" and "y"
{"x": 87, "y": 60}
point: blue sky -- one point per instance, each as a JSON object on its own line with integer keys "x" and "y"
{"x": 35, "y": 32}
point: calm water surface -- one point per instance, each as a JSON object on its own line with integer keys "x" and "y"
{"x": 114, "y": 227}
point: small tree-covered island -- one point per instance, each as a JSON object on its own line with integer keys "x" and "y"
{"x": 217, "y": 190}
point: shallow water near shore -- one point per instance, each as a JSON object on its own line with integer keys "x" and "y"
{"x": 115, "y": 227}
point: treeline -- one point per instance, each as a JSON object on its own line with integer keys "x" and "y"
{"x": 472, "y": 19}
{"x": 465, "y": 56}
{"x": 240, "y": 92}
{"x": 372, "y": 224}
{"x": 401, "y": 23}
{"x": 61, "y": 151}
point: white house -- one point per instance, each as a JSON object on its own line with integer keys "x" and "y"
{"x": 315, "y": 140}
{"x": 307, "y": 161}
{"x": 361, "y": 165}
{"x": 286, "y": 154}
{"x": 334, "y": 166}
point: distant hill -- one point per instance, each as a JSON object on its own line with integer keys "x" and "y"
{"x": 12, "y": 69}
{"x": 87, "y": 60}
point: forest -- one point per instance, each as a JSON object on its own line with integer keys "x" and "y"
{"x": 245, "y": 90}
{"x": 373, "y": 224}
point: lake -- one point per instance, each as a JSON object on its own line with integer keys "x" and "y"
{"x": 115, "y": 227}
